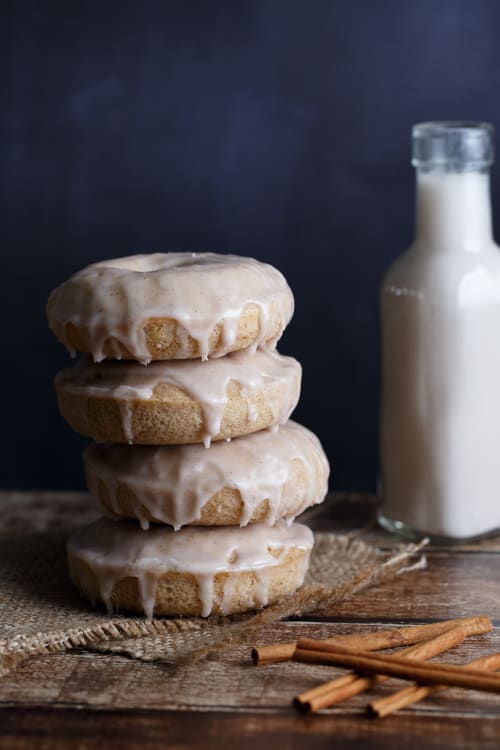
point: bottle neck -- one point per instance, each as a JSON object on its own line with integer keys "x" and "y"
{"x": 453, "y": 211}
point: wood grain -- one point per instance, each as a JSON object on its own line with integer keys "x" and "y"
{"x": 40, "y": 729}
{"x": 455, "y": 584}
{"x": 101, "y": 700}
{"x": 229, "y": 681}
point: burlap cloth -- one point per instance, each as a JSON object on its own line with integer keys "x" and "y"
{"x": 42, "y": 613}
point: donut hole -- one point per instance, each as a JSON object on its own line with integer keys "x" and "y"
{"x": 150, "y": 263}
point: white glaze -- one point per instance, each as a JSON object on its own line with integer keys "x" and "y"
{"x": 205, "y": 382}
{"x": 111, "y": 301}
{"x": 118, "y": 550}
{"x": 174, "y": 482}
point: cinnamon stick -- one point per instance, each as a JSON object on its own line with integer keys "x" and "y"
{"x": 335, "y": 691}
{"x": 375, "y": 641}
{"x": 319, "y": 652}
{"x": 415, "y": 693}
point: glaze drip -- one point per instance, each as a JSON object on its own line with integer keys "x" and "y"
{"x": 110, "y": 302}
{"x": 118, "y": 550}
{"x": 173, "y": 483}
{"x": 205, "y": 382}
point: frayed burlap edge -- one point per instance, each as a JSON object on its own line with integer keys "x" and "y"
{"x": 215, "y": 634}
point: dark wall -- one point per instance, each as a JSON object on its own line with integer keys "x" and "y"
{"x": 273, "y": 128}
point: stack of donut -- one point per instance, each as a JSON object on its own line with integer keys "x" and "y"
{"x": 196, "y": 465}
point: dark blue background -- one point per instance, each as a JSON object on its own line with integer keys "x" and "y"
{"x": 271, "y": 128}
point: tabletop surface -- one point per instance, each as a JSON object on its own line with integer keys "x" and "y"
{"x": 87, "y": 700}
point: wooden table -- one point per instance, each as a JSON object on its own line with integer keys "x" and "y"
{"x": 84, "y": 700}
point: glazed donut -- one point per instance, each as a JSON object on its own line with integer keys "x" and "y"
{"x": 170, "y": 306}
{"x": 195, "y": 571}
{"x": 262, "y": 477}
{"x": 179, "y": 402}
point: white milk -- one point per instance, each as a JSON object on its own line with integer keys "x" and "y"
{"x": 440, "y": 315}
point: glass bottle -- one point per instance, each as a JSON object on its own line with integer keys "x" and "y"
{"x": 440, "y": 323}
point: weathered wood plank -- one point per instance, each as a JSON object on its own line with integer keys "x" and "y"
{"x": 230, "y": 681}
{"x": 344, "y": 513}
{"x": 130, "y": 704}
{"x": 454, "y": 584}
{"x": 35, "y": 729}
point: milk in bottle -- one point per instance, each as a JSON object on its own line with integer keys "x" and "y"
{"x": 440, "y": 320}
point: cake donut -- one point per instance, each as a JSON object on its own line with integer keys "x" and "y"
{"x": 170, "y": 306}
{"x": 195, "y": 571}
{"x": 182, "y": 401}
{"x": 258, "y": 478}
